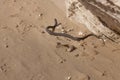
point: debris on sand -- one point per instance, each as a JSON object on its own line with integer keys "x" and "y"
{"x": 70, "y": 48}
{"x": 81, "y": 33}
{"x": 69, "y": 78}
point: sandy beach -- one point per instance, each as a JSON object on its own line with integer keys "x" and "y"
{"x": 28, "y": 52}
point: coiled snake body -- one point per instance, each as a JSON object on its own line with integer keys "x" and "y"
{"x": 51, "y": 32}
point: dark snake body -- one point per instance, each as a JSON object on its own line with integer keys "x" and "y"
{"x": 51, "y": 32}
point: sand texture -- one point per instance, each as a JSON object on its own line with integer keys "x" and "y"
{"x": 28, "y": 52}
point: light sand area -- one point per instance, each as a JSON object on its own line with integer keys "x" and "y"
{"x": 27, "y": 52}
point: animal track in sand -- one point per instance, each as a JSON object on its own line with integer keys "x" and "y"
{"x": 4, "y": 68}
{"x": 23, "y": 27}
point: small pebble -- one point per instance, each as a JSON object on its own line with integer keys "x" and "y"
{"x": 69, "y": 78}
{"x": 105, "y": 40}
{"x": 40, "y": 15}
{"x": 69, "y": 30}
{"x": 6, "y": 46}
{"x": 104, "y": 73}
{"x": 80, "y": 33}
{"x": 62, "y": 61}
{"x": 63, "y": 31}
{"x": 77, "y": 55}
{"x": 43, "y": 32}
{"x": 71, "y": 48}
{"x": 17, "y": 26}
{"x": 58, "y": 45}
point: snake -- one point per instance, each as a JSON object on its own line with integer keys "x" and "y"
{"x": 51, "y": 31}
